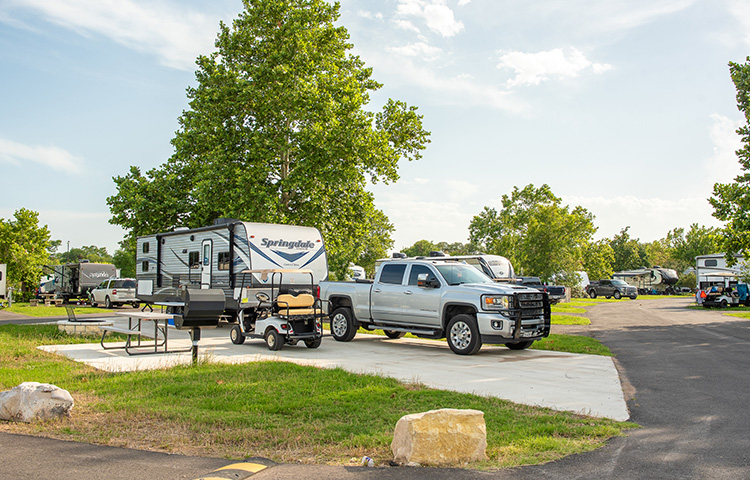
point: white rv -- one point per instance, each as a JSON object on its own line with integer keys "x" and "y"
{"x": 713, "y": 270}
{"x": 649, "y": 280}
{"x": 215, "y": 256}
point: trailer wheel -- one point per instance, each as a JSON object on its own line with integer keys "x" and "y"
{"x": 393, "y": 335}
{"x": 235, "y": 334}
{"x": 274, "y": 342}
{"x": 313, "y": 343}
{"x": 617, "y": 295}
{"x": 519, "y": 345}
{"x": 343, "y": 328}
{"x": 463, "y": 335}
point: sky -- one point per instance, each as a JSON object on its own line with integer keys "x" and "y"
{"x": 624, "y": 107}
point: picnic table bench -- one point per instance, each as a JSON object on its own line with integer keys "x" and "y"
{"x": 133, "y": 344}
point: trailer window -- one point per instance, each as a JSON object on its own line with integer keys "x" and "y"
{"x": 711, "y": 263}
{"x": 223, "y": 260}
{"x": 392, "y": 274}
{"x": 194, "y": 260}
{"x": 145, "y": 247}
{"x": 144, "y": 266}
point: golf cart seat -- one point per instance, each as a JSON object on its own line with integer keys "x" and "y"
{"x": 302, "y": 305}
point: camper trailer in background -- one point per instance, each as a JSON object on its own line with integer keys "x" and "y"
{"x": 713, "y": 270}
{"x": 219, "y": 257}
{"x": 650, "y": 280}
{"x": 75, "y": 280}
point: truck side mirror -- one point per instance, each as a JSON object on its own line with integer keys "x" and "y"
{"x": 424, "y": 281}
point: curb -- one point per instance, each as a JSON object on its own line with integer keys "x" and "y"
{"x": 239, "y": 471}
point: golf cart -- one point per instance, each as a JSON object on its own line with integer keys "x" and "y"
{"x": 279, "y": 311}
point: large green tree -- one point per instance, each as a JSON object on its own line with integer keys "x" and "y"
{"x": 629, "y": 252}
{"x": 92, "y": 253}
{"x": 538, "y": 234}
{"x": 277, "y": 131}
{"x": 685, "y": 246}
{"x": 731, "y": 201}
{"x": 24, "y": 247}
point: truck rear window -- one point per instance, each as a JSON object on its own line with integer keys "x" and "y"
{"x": 392, "y": 274}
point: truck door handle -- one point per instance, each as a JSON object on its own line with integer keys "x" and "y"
{"x": 408, "y": 292}
{"x": 377, "y": 290}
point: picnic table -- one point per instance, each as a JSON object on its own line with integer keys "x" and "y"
{"x": 137, "y": 320}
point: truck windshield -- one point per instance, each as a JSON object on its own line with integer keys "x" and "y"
{"x": 456, "y": 274}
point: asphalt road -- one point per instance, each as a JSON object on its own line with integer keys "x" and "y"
{"x": 689, "y": 388}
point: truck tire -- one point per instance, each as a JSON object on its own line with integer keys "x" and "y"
{"x": 343, "y": 327}
{"x": 236, "y": 336}
{"x": 463, "y": 335}
{"x": 617, "y": 295}
{"x": 274, "y": 342}
{"x": 592, "y": 293}
{"x": 519, "y": 345}
{"x": 393, "y": 335}
{"x": 107, "y": 302}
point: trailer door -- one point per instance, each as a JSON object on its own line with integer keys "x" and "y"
{"x": 206, "y": 263}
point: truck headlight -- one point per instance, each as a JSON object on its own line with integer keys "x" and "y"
{"x": 497, "y": 302}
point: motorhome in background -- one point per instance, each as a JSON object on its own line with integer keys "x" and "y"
{"x": 215, "y": 257}
{"x": 75, "y": 280}
{"x": 713, "y": 270}
{"x": 649, "y": 280}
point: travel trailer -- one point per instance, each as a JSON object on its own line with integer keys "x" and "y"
{"x": 75, "y": 280}
{"x": 713, "y": 270}
{"x": 649, "y": 280}
{"x": 215, "y": 257}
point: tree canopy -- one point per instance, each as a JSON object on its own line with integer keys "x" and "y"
{"x": 731, "y": 201}
{"x": 277, "y": 131}
{"x": 538, "y": 234}
{"x": 24, "y": 247}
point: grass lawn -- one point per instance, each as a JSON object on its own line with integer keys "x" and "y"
{"x": 42, "y": 311}
{"x": 277, "y": 410}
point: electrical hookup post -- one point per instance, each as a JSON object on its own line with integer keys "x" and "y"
{"x": 195, "y": 336}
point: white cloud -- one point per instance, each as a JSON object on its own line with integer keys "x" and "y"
{"x": 53, "y": 157}
{"x": 740, "y": 9}
{"x": 534, "y": 68}
{"x": 419, "y": 49}
{"x": 169, "y": 31}
{"x": 366, "y": 14}
{"x": 723, "y": 165}
{"x": 435, "y": 13}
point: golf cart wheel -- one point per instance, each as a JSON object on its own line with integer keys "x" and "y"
{"x": 274, "y": 341}
{"x": 724, "y": 304}
{"x": 236, "y": 335}
{"x": 519, "y": 345}
{"x": 313, "y": 343}
{"x": 393, "y": 335}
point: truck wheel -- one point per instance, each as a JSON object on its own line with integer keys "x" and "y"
{"x": 343, "y": 328}
{"x": 633, "y": 297}
{"x": 235, "y": 334}
{"x": 463, "y": 335}
{"x": 313, "y": 343}
{"x": 592, "y": 294}
{"x": 617, "y": 295}
{"x": 274, "y": 342}
{"x": 393, "y": 335}
{"x": 107, "y": 302}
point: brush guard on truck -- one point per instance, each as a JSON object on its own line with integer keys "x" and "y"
{"x": 528, "y": 306}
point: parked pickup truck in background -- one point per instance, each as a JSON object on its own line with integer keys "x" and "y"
{"x": 556, "y": 293}
{"x": 438, "y": 299}
{"x": 611, "y": 288}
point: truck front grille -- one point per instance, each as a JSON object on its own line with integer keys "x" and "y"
{"x": 531, "y": 304}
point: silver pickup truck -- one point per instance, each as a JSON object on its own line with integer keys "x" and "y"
{"x": 438, "y": 299}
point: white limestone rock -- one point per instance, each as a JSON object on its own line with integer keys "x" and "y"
{"x": 440, "y": 437}
{"x": 31, "y": 401}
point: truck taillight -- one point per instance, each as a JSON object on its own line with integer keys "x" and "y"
{"x": 114, "y": 291}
